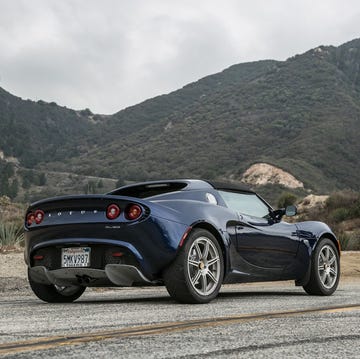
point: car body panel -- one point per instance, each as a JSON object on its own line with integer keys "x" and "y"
{"x": 254, "y": 248}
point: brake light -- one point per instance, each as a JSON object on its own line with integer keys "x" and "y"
{"x": 113, "y": 211}
{"x": 36, "y": 217}
{"x": 133, "y": 211}
{"x": 30, "y": 219}
{"x": 39, "y": 216}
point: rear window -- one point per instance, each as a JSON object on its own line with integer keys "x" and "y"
{"x": 149, "y": 190}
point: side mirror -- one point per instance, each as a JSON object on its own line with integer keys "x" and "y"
{"x": 290, "y": 211}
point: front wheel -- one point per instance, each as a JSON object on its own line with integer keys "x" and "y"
{"x": 196, "y": 274}
{"x": 55, "y": 294}
{"x": 325, "y": 269}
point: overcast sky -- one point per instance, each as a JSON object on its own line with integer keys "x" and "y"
{"x": 109, "y": 54}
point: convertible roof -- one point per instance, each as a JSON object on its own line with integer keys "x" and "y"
{"x": 152, "y": 188}
{"x": 240, "y": 187}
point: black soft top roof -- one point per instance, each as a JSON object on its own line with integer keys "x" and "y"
{"x": 152, "y": 188}
{"x": 239, "y": 187}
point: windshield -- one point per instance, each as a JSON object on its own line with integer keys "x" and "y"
{"x": 246, "y": 203}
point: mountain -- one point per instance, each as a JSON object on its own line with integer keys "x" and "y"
{"x": 35, "y": 132}
{"x": 301, "y": 115}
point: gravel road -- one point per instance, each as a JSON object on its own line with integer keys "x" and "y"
{"x": 249, "y": 321}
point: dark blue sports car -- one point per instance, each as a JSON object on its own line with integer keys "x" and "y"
{"x": 189, "y": 235}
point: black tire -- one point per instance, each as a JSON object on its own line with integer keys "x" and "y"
{"x": 197, "y": 273}
{"x": 53, "y": 294}
{"x": 325, "y": 269}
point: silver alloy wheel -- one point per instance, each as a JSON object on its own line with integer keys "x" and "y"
{"x": 204, "y": 266}
{"x": 328, "y": 267}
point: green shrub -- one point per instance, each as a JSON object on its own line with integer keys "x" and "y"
{"x": 4, "y": 200}
{"x": 345, "y": 199}
{"x": 340, "y": 214}
{"x": 344, "y": 240}
{"x": 355, "y": 241}
{"x": 11, "y": 234}
{"x": 349, "y": 241}
{"x": 286, "y": 199}
{"x": 355, "y": 210}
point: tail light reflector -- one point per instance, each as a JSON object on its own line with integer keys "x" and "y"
{"x": 184, "y": 236}
{"x": 133, "y": 211}
{"x": 38, "y": 257}
{"x": 39, "y": 216}
{"x": 117, "y": 254}
{"x": 113, "y": 211}
{"x": 36, "y": 217}
{"x": 30, "y": 219}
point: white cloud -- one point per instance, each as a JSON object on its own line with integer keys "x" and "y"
{"x": 111, "y": 54}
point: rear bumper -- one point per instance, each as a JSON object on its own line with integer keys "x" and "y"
{"x": 121, "y": 275}
{"x": 153, "y": 243}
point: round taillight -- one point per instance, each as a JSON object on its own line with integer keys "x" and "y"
{"x": 30, "y": 219}
{"x": 113, "y": 211}
{"x": 133, "y": 211}
{"x": 39, "y": 216}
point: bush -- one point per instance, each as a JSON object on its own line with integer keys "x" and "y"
{"x": 4, "y": 201}
{"x": 11, "y": 234}
{"x": 349, "y": 240}
{"x": 286, "y": 199}
{"x": 355, "y": 241}
{"x": 344, "y": 240}
{"x": 340, "y": 214}
{"x": 343, "y": 199}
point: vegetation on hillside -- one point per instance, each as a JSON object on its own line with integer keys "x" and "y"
{"x": 342, "y": 213}
{"x": 302, "y": 115}
{"x": 11, "y": 223}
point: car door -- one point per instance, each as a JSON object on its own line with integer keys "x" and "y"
{"x": 264, "y": 246}
{"x": 266, "y": 243}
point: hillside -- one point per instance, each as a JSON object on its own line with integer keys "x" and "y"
{"x": 301, "y": 115}
{"x": 35, "y": 132}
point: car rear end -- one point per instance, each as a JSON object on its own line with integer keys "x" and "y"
{"x": 98, "y": 240}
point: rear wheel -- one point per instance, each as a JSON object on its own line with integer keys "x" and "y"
{"x": 325, "y": 269}
{"x": 196, "y": 274}
{"x": 55, "y": 294}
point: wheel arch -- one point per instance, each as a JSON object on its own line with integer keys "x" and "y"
{"x": 328, "y": 235}
{"x": 212, "y": 229}
{"x": 332, "y": 237}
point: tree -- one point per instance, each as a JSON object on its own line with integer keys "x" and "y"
{"x": 26, "y": 182}
{"x": 42, "y": 179}
{"x": 90, "y": 187}
{"x": 13, "y": 189}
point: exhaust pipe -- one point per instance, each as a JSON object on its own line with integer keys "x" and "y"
{"x": 85, "y": 279}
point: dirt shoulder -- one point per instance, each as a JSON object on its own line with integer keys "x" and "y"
{"x": 350, "y": 264}
{"x": 13, "y": 271}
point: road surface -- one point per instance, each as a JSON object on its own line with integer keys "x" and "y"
{"x": 249, "y": 321}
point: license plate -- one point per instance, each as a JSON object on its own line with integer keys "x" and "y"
{"x": 75, "y": 257}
